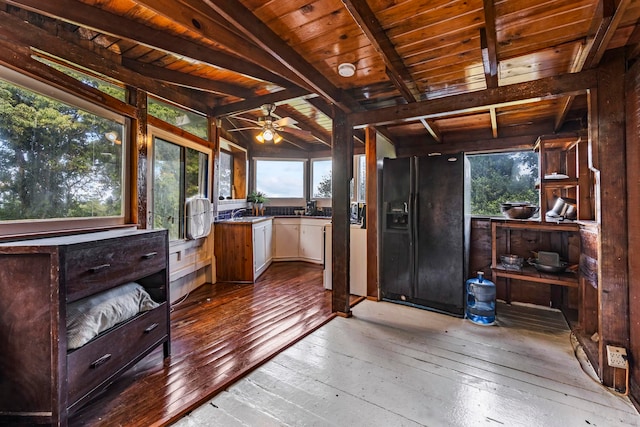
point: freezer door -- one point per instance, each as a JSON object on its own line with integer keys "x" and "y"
{"x": 396, "y": 246}
{"x": 440, "y": 233}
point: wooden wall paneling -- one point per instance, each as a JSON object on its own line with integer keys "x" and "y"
{"x": 613, "y": 285}
{"x": 633, "y": 201}
{"x": 371, "y": 159}
{"x": 342, "y": 166}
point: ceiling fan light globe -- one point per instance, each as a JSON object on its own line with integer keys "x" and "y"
{"x": 277, "y": 138}
{"x": 267, "y": 134}
{"x": 260, "y": 138}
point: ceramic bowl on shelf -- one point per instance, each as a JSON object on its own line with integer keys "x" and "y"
{"x": 518, "y": 210}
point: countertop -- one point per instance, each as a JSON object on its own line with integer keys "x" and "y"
{"x": 255, "y": 219}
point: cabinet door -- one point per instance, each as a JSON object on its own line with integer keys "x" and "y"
{"x": 286, "y": 241}
{"x": 311, "y": 245}
{"x": 268, "y": 241}
{"x": 259, "y": 248}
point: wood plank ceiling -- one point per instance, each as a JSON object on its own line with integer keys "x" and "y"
{"x": 227, "y": 58}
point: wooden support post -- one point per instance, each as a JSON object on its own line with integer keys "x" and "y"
{"x": 138, "y": 150}
{"x": 613, "y": 280}
{"x": 342, "y": 167}
{"x": 372, "y": 212}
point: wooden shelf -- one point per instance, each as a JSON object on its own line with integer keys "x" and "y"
{"x": 532, "y": 275}
{"x": 529, "y": 273}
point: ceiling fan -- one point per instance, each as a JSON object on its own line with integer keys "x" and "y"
{"x": 270, "y": 126}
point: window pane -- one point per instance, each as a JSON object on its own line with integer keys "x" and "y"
{"x": 56, "y": 160}
{"x": 225, "y": 182}
{"x": 362, "y": 178}
{"x": 184, "y": 119}
{"x": 167, "y": 205}
{"x": 197, "y": 165}
{"x": 321, "y": 178}
{"x": 498, "y": 178}
{"x": 280, "y": 178}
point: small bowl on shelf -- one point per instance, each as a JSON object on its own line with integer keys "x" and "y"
{"x": 512, "y": 262}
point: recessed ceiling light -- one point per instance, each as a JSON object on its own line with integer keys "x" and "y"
{"x": 346, "y": 69}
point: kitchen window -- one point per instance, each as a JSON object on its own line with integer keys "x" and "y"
{"x": 61, "y": 159}
{"x": 321, "y": 178}
{"x": 180, "y": 171}
{"x": 500, "y": 177}
{"x": 225, "y": 184}
{"x": 280, "y": 179}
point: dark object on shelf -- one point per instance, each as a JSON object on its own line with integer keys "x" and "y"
{"x": 512, "y": 262}
{"x": 545, "y": 268}
{"x": 518, "y": 210}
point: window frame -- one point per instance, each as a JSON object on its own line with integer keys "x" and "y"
{"x": 284, "y": 201}
{"x": 153, "y": 133}
{"x": 40, "y": 226}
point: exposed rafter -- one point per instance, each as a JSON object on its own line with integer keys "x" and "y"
{"x": 84, "y": 15}
{"x": 260, "y": 34}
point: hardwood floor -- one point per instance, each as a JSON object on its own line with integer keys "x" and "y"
{"x": 218, "y": 334}
{"x": 392, "y": 365}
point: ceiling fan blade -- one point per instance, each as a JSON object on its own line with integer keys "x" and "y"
{"x": 246, "y": 119}
{"x": 285, "y": 121}
{"x": 237, "y": 129}
{"x": 297, "y": 132}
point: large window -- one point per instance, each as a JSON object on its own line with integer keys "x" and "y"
{"x": 225, "y": 184}
{"x": 280, "y": 178}
{"x": 498, "y": 178}
{"x": 321, "y": 179}
{"x": 179, "y": 172}
{"x": 58, "y": 161}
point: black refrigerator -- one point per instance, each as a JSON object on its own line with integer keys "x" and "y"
{"x": 424, "y": 230}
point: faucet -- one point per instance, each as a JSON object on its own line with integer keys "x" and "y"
{"x": 235, "y": 212}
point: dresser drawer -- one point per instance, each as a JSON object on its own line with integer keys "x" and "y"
{"x": 117, "y": 349}
{"x": 96, "y": 267}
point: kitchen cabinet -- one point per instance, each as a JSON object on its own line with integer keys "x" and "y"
{"x": 287, "y": 231}
{"x": 243, "y": 249}
{"x": 299, "y": 239}
{"x": 45, "y": 372}
{"x": 311, "y": 240}
{"x": 521, "y": 238}
{"x": 262, "y": 247}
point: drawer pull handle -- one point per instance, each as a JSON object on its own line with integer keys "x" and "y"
{"x": 98, "y": 268}
{"x": 100, "y": 361}
{"x": 149, "y": 255}
{"x": 151, "y": 328}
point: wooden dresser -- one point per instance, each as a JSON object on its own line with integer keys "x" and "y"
{"x": 40, "y": 381}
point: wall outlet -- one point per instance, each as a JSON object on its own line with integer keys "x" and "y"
{"x": 617, "y": 357}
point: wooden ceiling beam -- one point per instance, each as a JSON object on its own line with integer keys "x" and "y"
{"x": 604, "y": 24}
{"x": 85, "y": 15}
{"x": 305, "y": 123}
{"x": 489, "y": 41}
{"x": 186, "y": 80}
{"x": 196, "y": 16}
{"x": 395, "y": 67}
{"x": 545, "y": 88}
{"x": 255, "y": 102}
{"x": 27, "y": 34}
{"x": 260, "y": 34}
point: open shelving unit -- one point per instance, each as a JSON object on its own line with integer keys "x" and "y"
{"x": 557, "y": 241}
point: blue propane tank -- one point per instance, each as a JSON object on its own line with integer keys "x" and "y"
{"x": 481, "y": 300}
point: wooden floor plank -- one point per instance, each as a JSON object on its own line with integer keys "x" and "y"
{"x": 218, "y": 334}
{"x": 396, "y": 365}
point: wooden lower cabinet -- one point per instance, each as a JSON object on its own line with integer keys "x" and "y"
{"x": 41, "y": 381}
{"x": 243, "y": 249}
